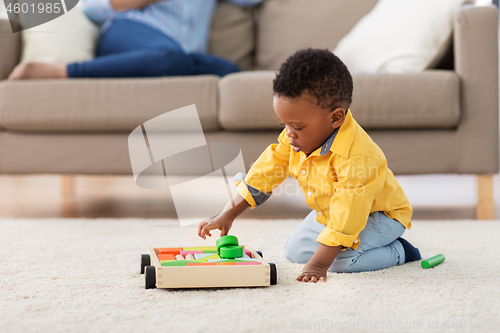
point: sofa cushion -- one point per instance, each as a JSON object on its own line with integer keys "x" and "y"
{"x": 399, "y": 36}
{"x": 232, "y": 35}
{"x": 103, "y": 105}
{"x": 430, "y": 99}
{"x": 71, "y": 37}
{"x": 311, "y": 23}
{"x": 246, "y": 101}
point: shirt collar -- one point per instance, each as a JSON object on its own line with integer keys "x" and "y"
{"x": 345, "y": 133}
{"x": 325, "y": 148}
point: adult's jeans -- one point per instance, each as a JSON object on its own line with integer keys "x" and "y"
{"x": 132, "y": 49}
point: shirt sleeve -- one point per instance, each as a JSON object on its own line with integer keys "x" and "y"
{"x": 268, "y": 172}
{"x": 245, "y": 3}
{"x": 258, "y": 197}
{"x": 359, "y": 181}
{"x": 98, "y": 11}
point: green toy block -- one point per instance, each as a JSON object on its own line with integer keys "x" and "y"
{"x": 177, "y": 262}
{"x": 433, "y": 261}
{"x": 227, "y": 240}
{"x": 231, "y": 252}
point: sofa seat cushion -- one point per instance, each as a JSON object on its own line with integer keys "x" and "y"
{"x": 103, "y": 105}
{"x": 430, "y": 99}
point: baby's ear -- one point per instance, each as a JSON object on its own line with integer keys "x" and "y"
{"x": 337, "y": 117}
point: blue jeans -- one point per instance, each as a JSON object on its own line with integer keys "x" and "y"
{"x": 131, "y": 49}
{"x": 378, "y": 246}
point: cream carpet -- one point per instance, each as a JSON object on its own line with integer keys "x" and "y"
{"x": 76, "y": 275}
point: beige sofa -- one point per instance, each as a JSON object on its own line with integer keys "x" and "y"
{"x": 443, "y": 120}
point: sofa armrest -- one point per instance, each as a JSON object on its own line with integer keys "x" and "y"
{"x": 10, "y": 48}
{"x": 476, "y": 62}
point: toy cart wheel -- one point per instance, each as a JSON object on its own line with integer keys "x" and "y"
{"x": 274, "y": 274}
{"x": 260, "y": 253}
{"x": 150, "y": 277}
{"x": 145, "y": 261}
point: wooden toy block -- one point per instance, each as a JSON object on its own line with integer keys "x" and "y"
{"x": 210, "y": 256}
{"x": 179, "y": 257}
{"x": 189, "y": 256}
{"x": 162, "y": 256}
{"x": 231, "y": 252}
{"x": 205, "y": 249}
{"x": 204, "y": 256}
{"x": 162, "y": 261}
{"x": 170, "y": 250}
{"x": 177, "y": 263}
{"x": 190, "y": 252}
{"x": 210, "y": 263}
{"x": 247, "y": 252}
{"x": 199, "y": 256}
{"x": 225, "y": 241}
{"x": 232, "y": 260}
{"x": 254, "y": 272}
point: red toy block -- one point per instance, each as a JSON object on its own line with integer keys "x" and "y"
{"x": 166, "y": 256}
{"x": 248, "y": 253}
{"x": 170, "y": 250}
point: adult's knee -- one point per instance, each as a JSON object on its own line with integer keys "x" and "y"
{"x": 227, "y": 68}
{"x": 174, "y": 63}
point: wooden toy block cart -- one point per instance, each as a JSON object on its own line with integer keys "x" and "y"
{"x": 251, "y": 271}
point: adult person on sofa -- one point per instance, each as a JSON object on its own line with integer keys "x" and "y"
{"x": 144, "y": 38}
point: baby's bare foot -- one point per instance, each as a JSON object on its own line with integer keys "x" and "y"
{"x": 38, "y": 70}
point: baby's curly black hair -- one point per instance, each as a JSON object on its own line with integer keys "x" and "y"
{"x": 318, "y": 72}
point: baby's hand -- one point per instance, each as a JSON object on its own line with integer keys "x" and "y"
{"x": 312, "y": 273}
{"x": 222, "y": 222}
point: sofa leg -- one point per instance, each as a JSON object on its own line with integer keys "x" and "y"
{"x": 67, "y": 196}
{"x": 67, "y": 186}
{"x": 485, "y": 209}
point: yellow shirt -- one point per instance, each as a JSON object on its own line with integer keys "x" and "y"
{"x": 346, "y": 184}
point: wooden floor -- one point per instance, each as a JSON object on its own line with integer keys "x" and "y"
{"x": 118, "y": 196}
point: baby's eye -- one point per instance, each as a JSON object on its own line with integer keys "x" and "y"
{"x": 295, "y": 128}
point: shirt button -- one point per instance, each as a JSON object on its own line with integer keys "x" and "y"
{"x": 356, "y": 241}
{"x": 303, "y": 172}
{"x": 320, "y": 213}
{"x": 309, "y": 193}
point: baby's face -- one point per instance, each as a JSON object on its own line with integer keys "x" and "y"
{"x": 307, "y": 125}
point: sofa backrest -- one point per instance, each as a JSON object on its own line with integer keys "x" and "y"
{"x": 285, "y": 26}
{"x": 232, "y": 35}
{"x": 262, "y": 38}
